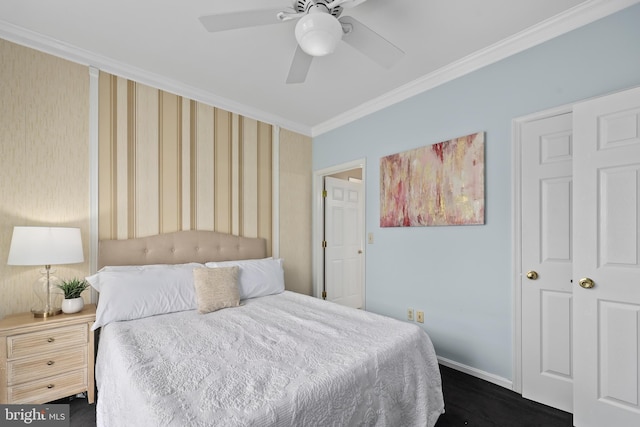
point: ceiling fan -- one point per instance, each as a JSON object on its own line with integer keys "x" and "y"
{"x": 319, "y": 29}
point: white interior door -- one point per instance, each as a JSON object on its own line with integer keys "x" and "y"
{"x": 607, "y": 251}
{"x": 344, "y": 246}
{"x": 546, "y": 171}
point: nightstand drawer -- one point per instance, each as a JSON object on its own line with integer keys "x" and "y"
{"x": 46, "y": 365}
{"x": 43, "y": 341}
{"x": 48, "y": 389}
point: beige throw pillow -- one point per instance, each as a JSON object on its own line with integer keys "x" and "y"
{"x": 216, "y": 288}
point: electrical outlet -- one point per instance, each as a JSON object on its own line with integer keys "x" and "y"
{"x": 410, "y": 314}
{"x": 420, "y": 316}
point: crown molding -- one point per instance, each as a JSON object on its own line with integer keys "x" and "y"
{"x": 576, "y": 17}
{"x": 72, "y": 53}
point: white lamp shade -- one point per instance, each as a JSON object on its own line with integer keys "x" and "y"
{"x": 318, "y": 34}
{"x": 45, "y": 246}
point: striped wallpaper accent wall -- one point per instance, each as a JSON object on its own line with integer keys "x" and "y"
{"x": 167, "y": 163}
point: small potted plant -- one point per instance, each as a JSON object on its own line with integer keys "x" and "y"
{"x": 72, "y": 289}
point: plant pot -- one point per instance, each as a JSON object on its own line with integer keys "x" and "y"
{"x": 72, "y": 305}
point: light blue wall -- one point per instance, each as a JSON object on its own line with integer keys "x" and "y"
{"x": 461, "y": 276}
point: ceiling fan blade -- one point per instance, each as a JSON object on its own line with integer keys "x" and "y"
{"x": 370, "y": 43}
{"x": 233, "y": 20}
{"x": 345, "y": 3}
{"x": 299, "y": 66}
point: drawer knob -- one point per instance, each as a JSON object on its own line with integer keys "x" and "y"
{"x": 51, "y": 340}
{"x": 51, "y": 386}
{"x": 50, "y": 362}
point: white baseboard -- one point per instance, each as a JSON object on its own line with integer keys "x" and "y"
{"x": 474, "y": 372}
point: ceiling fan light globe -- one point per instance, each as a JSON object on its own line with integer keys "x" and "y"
{"x": 318, "y": 34}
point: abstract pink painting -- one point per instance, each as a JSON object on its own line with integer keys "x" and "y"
{"x": 440, "y": 184}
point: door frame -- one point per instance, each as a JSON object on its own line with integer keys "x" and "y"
{"x": 317, "y": 221}
{"x": 516, "y": 232}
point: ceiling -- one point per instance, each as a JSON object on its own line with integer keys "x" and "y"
{"x": 162, "y": 43}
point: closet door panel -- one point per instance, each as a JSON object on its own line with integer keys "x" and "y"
{"x": 607, "y": 266}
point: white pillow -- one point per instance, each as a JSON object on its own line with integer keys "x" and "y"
{"x": 258, "y": 277}
{"x": 94, "y": 280}
{"x": 133, "y": 293}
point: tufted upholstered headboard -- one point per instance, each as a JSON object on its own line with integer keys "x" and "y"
{"x": 180, "y": 247}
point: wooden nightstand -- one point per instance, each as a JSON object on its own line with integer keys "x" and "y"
{"x": 47, "y": 359}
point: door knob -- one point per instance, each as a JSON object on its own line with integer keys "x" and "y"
{"x": 587, "y": 283}
{"x": 532, "y": 275}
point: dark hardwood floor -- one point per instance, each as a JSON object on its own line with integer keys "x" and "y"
{"x": 469, "y": 401}
{"x": 81, "y": 413}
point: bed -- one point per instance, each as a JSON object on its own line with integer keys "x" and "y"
{"x": 277, "y": 359}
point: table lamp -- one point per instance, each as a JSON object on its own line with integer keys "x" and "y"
{"x": 45, "y": 246}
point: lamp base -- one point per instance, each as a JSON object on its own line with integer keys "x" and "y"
{"x": 48, "y": 293}
{"x": 43, "y": 314}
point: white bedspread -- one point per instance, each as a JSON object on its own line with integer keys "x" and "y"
{"x": 280, "y": 360}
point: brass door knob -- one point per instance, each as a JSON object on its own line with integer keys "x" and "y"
{"x": 587, "y": 283}
{"x": 532, "y": 275}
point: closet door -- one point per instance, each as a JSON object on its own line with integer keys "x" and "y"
{"x": 606, "y": 274}
{"x": 546, "y": 291}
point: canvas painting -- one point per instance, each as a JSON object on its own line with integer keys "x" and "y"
{"x": 440, "y": 184}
